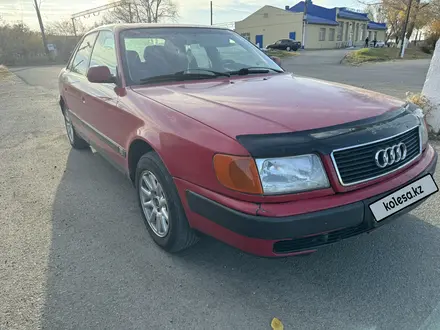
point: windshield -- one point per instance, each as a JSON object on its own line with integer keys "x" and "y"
{"x": 153, "y": 52}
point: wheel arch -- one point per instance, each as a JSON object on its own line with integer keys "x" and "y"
{"x": 62, "y": 104}
{"x": 138, "y": 147}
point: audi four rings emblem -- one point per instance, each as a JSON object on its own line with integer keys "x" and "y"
{"x": 391, "y": 155}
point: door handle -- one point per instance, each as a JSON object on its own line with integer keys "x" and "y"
{"x": 83, "y": 99}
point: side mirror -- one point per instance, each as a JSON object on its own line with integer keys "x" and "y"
{"x": 276, "y": 59}
{"x": 100, "y": 74}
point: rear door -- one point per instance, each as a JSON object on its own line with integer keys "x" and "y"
{"x": 75, "y": 83}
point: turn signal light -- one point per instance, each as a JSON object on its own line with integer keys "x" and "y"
{"x": 238, "y": 173}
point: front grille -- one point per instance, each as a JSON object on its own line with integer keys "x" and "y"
{"x": 310, "y": 242}
{"x": 357, "y": 164}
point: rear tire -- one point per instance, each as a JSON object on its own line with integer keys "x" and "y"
{"x": 160, "y": 205}
{"x": 288, "y": 48}
{"x": 75, "y": 140}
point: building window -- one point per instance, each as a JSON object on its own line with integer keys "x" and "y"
{"x": 246, "y": 35}
{"x": 265, "y": 15}
{"x": 322, "y": 34}
{"x": 340, "y": 31}
{"x": 331, "y": 35}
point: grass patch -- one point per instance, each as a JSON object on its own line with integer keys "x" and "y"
{"x": 281, "y": 53}
{"x": 383, "y": 54}
{"x": 4, "y": 72}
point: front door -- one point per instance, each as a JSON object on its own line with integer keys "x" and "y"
{"x": 76, "y": 83}
{"x": 103, "y": 116}
{"x": 259, "y": 40}
{"x": 292, "y": 35}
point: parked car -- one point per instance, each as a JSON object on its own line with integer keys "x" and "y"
{"x": 379, "y": 44}
{"x": 222, "y": 141}
{"x": 285, "y": 44}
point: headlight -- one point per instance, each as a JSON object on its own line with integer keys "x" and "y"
{"x": 292, "y": 174}
{"x": 423, "y": 127}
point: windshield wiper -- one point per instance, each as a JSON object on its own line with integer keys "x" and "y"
{"x": 185, "y": 75}
{"x": 253, "y": 70}
{"x": 215, "y": 73}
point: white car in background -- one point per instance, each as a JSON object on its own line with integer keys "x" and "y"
{"x": 379, "y": 44}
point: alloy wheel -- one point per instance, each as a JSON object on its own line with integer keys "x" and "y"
{"x": 154, "y": 203}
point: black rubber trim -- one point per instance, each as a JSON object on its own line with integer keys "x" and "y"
{"x": 276, "y": 227}
{"x": 112, "y": 144}
{"x": 325, "y": 140}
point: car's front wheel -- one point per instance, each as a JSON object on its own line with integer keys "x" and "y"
{"x": 76, "y": 141}
{"x": 161, "y": 207}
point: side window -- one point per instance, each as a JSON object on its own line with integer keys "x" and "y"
{"x": 80, "y": 63}
{"x": 200, "y": 55}
{"x": 104, "y": 52}
{"x": 234, "y": 52}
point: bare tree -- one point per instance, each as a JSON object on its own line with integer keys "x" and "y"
{"x": 143, "y": 11}
{"x": 65, "y": 28}
{"x": 393, "y": 12}
{"x": 375, "y": 12}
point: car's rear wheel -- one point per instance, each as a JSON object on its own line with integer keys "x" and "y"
{"x": 76, "y": 141}
{"x": 161, "y": 207}
{"x": 288, "y": 48}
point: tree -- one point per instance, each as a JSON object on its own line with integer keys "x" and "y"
{"x": 143, "y": 11}
{"x": 433, "y": 34}
{"x": 65, "y": 28}
{"x": 375, "y": 12}
{"x": 18, "y": 42}
{"x": 393, "y": 12}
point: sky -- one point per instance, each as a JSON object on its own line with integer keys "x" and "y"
{"x": 190, "y": 11}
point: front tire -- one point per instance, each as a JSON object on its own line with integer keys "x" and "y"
{"x": 75, "y": 140}
{"x": 160, "y": 205}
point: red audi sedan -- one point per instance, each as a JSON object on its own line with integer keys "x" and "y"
{"x": 218, "y": 139}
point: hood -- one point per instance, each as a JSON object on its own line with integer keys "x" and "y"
{"x": 276, "y": 103}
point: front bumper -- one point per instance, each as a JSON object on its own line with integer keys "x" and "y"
{"x": 276, "y": 236}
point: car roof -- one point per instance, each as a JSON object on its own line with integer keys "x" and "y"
{"x": 116, "y": 28}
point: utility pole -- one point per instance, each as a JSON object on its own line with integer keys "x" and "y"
{"x": 74, "y": 28}
{"x": 40, "y": 21}
{"x": 211, "y": 12}
{"x": 129, "y": 13}
{"x": 304, "y": 23}
{"x": 408, "y": 13}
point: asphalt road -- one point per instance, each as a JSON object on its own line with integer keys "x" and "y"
{"x": 392, "y": 78}
{"x": 74, "y": 252}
